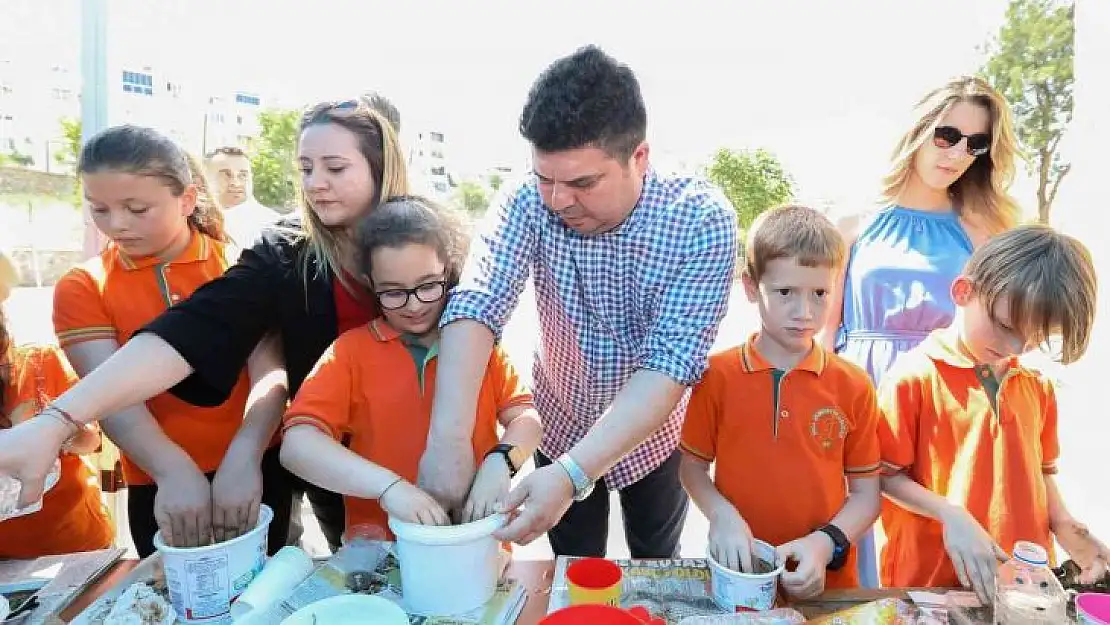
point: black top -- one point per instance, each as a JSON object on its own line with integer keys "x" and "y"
{"x": 216, "y": 329}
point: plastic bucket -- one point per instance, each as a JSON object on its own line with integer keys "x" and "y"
{"x": 447, "y": 570}
{"x": 1093, "y": 608}
{"x": 205, "y": 581}
{"x": 743, "y": 592}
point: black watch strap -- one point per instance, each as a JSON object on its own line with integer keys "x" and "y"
{"x": 505, "y": 450}
{"x": 841, "y": 546}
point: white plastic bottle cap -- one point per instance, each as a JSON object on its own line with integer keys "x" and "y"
{"x": 1030, "y": 553}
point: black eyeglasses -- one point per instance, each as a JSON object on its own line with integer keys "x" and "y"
{"x": 945, "y": 137}
{"x": 428, "y": 293}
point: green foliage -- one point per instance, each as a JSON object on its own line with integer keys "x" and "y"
{"x": 495, "y": 181}
{"x": 1031, "y": 62}
{"x": 472, "y": 197}
{"x": 71, "y": 146}
{"x": 753, "y": 180}
{"x": 273, "y": 162}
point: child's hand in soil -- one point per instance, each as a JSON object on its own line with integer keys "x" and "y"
{"x": 730, "y": 539}
{"x": 1090, "y": 553}
{"x": 491, "y": 484}
{"x": 973, "y": 552}
{"x": 408, "y": 503}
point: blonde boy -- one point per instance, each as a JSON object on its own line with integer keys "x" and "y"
{"x": 969, "y": 440}
{"x": 790, "y": 427}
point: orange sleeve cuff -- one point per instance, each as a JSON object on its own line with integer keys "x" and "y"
{"x": 700, "y": 455}
{"x": 316, "y": 422}
{"x": 868, "y": 471}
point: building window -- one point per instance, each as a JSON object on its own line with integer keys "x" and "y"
{"x": 437, "y": 154}
{"x": 439, "y": 171}
{"x": 437, "y": 137}
{"x": 245, "y": 98}
{"x": 138, "y": 82}
{"x": 440, "y": 187}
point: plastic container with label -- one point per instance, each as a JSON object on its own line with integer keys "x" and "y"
{"x": 205, "y": 581}
{"x": 1026, "y": 591}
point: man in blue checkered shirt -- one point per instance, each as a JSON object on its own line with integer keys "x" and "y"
{"x": 632, "y": 272}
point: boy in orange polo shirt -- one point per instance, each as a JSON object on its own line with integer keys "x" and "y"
{"x": 790, "y": 427}
{"x": 969, "y": 442}
{"x": 71, "y": 517}
{"x": 373, "y": 387}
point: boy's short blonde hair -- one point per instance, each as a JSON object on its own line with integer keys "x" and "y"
{"x": 792, "y": 231}
{"x": 1049, "y": 281}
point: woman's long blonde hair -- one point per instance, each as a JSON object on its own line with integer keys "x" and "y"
{"x": 983, "y": 191}
{"x": 378, "y": 143}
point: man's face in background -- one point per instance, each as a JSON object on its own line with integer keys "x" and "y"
{"x": 232, "y": 174}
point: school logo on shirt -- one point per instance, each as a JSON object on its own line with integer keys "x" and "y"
{"x": 827, "y": 426}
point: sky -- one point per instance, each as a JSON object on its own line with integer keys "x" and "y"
{"x": 826, "y": 86}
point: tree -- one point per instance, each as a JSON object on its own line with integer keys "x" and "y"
{"x": 495, "y": 181}
{"x": 472, "y": 197}
{"x": 71, "y": 144}
{"x": 1031, "y": 63}
{"x": 273, "y": 163}
{"x": 753, "y": 180}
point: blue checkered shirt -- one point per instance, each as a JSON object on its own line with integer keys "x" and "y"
{"x": 648, "y": 294}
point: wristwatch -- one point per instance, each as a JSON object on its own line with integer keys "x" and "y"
{"x": 841, "y": 545}
{"x": 511, "y": 454}
{"x": 582, "y": 483}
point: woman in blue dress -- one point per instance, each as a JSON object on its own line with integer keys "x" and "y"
{"x": 946, "y": 193}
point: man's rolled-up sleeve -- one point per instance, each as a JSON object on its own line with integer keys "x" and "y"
{"x": 696, "y": 299}
{"x": 499, "y": 261}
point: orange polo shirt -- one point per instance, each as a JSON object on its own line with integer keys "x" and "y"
{"x": 112, "y": 296}
{"x": 72, "y": 517}
{"x": 368, "y": 389}
{"x": 942, "y": 428}
{"x": 785, "y": 442}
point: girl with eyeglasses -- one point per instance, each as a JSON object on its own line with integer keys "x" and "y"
{"x": 299, "y": 283}
{"x": 373, "y": 387}
{"x": 946, "y": 193}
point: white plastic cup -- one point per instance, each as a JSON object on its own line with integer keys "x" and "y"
{"x": 743, "y": 592}
{"x": 448, "y": 570}
{"x": 281, "y": 575}
{"x": 205, "y": 581}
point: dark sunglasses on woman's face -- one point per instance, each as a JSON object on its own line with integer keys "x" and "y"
{"x": 945, "y": 137}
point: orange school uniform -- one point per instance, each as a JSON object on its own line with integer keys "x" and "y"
{"x": 784, "y": 443}
{"x": 72, "y": 518}
{"x": 112, "y": 296}
{"x": 368, "y": 390}
{"x": 987, "y": 452}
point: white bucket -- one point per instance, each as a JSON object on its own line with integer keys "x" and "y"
{"x": 448, "y": 570}
{"x": 205, "y": 581}
{"x": 741, "y": 592}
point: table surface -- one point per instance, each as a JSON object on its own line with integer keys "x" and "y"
{"x": 536, "y": 576}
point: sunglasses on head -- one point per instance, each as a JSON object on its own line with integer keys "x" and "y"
{"x": 945, "y": 137}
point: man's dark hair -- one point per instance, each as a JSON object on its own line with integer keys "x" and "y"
{"x": 587, "y": 99}
{"x": 228, "y": 150}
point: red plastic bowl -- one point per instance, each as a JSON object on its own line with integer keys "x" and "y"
{"x": 599, "y": 615}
